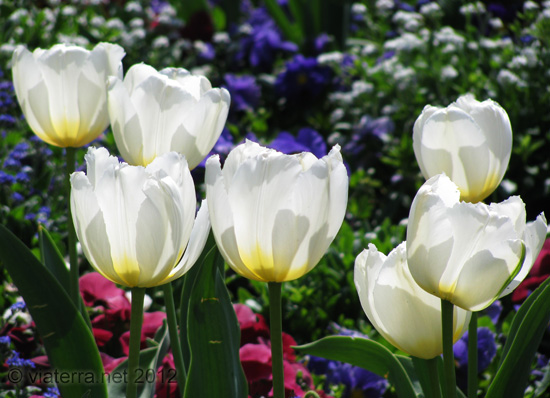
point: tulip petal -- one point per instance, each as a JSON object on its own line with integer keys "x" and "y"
{"x": 407, "y": 316}
{"x": 221, "y": 217}
{"x": 125, "y": 123}
{"x": 534, "y": 237}
{"x": 197, "y": 241}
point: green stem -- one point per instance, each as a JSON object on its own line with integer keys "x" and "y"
{"x": 311, "y": 394}
{"x": 447, "y": 309}
{"x": 73, "y": 259}
{"x": 276, "y": 330}
{"x": 472, "y": 357}
{"x": 181, "y": 373}
{"x": 136, "y": 320}
{"x": 434, "y": 377}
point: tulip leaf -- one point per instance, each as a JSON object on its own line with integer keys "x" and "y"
{"x": 367, "y": 354}
{"x": 54, "y": 262}
{"x": 52, "y": 258}
{"x": 214, "y": 336}
{"x": 525, "y": 335}
{"x": 63, "y": 336}
{"x": 148, "y": 364}
{"x": 186, "y": 291}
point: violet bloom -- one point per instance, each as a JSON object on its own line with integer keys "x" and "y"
{"x": 245, "y": 92}
{"x": 307, "y": 140}
{"x": 303, "y": 80}
{"x": 486, "y": 352}
{"x": 264, "y": 43}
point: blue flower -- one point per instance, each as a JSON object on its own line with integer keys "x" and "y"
{"x": 303, "y": 80}
{"x": 5, "y": 178}
{"x": 5, "y": 340}
{"x": 51, "y": 392}
{"x": 16, "y": 361}
{"x": 307, "y": 140}
{"x": 18, "y": 306}
{"x": 245, "y": 92}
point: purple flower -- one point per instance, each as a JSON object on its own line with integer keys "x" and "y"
{"x": 359, "y": 382}
{"x": 245, "y": 92}
{"x": 207, "y": 52}
{"x": 303, "y": 80}
{"x": 494, "y": 311}
{"x": 368, "y": 128}
{"x": 307, "y": 140}
{"x": 264, "y": 42}
{"x": 486, "y": 352}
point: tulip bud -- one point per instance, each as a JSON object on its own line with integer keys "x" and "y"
{"x": 470, "y": 141}
{"x": 158, "y": 112}
{"x": 62, "y": 90}
{"x": 274, "y": 215}
{"x": 404, "y": 314}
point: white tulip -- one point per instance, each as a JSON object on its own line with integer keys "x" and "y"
{"x": 400, "y": 310}
{"x": 158, "y": 112}
{"x": 466, "y": 253}
{"x": 470, "y": 141}
{"x": 137, "y": 225}
{"x": 62, "y": 91}
{"x": 274, "y": 215}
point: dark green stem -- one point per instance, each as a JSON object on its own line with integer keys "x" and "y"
{"x": 447, "y": 309}
{"x": 181, "y": 374}
{"x": 472, "y": 357}
{"x": 276, "y": 329}
{"x": 434, "y": 377}
{"x": 136, "y": 320}
{"x": 73, "y": 259}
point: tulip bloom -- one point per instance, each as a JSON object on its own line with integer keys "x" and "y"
{"x": 273, "y": 215}
{"x": 158, "y": 112}
{"x": 62, "y": 91}
{"x": 465, "y": 253}
{"x": 135, "y": 223}
{"x": 404, "y": 314}
{"x": 470, "y": 141}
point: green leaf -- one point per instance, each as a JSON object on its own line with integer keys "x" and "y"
{"x": 54, "y": 262}
{"x": 366, "y": 354}
{"x": 148, "y": 364}
{"x": 521, "y": 345}
{"x": 291, "y": 30}
{"x": 186, "y": 292}
{"x": 52, "y": 258}
{"x": 214, "y": 337}
{"x": 64, "y": 335}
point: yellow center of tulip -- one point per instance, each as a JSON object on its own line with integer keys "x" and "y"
{"x": 264, "y": 268}
{"x": 127, "y": 270}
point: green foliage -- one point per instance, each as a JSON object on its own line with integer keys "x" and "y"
{"x": 62, "y": 335}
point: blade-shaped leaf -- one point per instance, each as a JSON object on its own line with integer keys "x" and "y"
{"x": 366, "y": 354}
{"x": 186, "y": 292}
{"x": 54, "y": 262}
{"x": 148, "y": 364}
{"x": 214, "y": 337}
{"x": 62, "y": 328}
{"x": 523, "y": 340}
